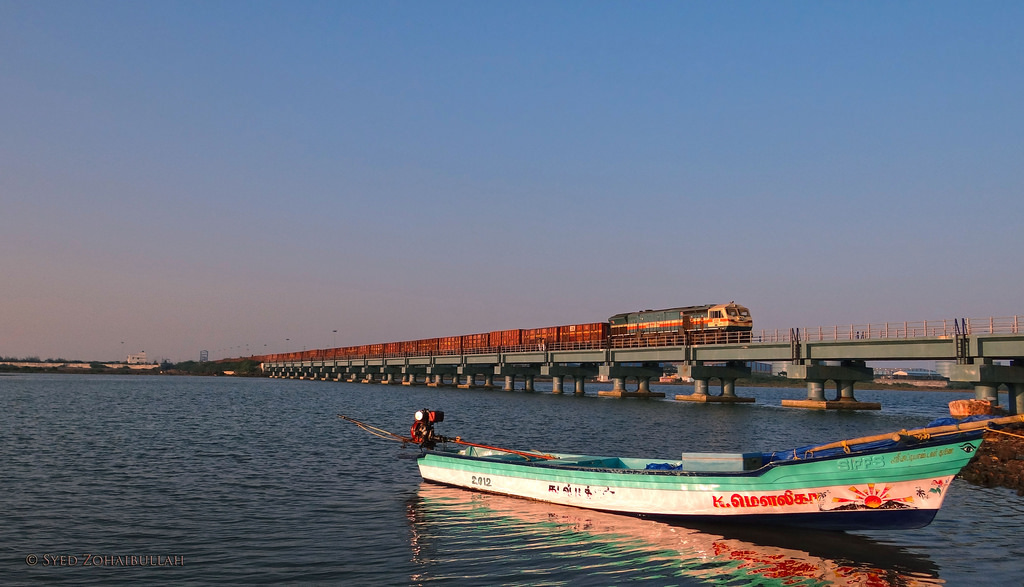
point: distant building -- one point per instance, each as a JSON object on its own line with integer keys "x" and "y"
{"x": 908, "y": 373}
{"x": 138, "y": 358}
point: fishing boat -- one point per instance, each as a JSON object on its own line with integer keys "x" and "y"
{"x": 887, "y": 481}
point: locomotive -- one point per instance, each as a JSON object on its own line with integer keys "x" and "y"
{"x": 703, "y": 324}
{"x": 710, "y": 323}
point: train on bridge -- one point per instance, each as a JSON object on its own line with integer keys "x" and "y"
{"x": 710, "y": 323}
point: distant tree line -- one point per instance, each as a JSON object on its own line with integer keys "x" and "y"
{"x": 241, "y": 368}
{"x": 36, "y": 360}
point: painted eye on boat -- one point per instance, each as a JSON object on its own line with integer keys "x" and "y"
{"x": 967, "y": 447}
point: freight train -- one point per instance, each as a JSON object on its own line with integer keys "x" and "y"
{"x": 707, "y": 324}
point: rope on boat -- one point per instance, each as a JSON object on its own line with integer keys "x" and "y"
{"x": 1006, "y": 433}
{"x": 380, "y": 432}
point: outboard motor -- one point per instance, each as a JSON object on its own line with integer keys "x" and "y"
{"x": 422, "y": 431}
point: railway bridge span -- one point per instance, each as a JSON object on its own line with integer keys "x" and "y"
{"x": 987, "y": 353}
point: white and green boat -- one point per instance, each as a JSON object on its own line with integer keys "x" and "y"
{"x": 891, "y": 481}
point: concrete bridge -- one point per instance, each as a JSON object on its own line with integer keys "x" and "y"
{"x": 817, "y": 355}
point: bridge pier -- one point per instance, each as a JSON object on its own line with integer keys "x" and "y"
{"x": 391, "y": 375}
{"x": 987, "y": 378}
{"x": 471, "y": 372}
{"x": 528, "y": 373}
{"x": 411, "y": 375}
{"x": 1015, "y": 398}
{"x": 844, "y": 388}
{"x": 703, "y": 374}
{"x": 369, "y": 375}
{"x": 815, "y": 390}
{"x": 844, "y": 376}
{"x": 352, "y": 373}
{"x": 618, "y": 375}
{"x": 437, "y": 373}
{"x": 558, "y": 373}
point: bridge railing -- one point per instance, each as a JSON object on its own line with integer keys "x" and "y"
{"x": 889, "y": 330}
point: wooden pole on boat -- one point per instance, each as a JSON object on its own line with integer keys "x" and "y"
{"x": 457, "y": 440}
{"x": 529, "y": 455}
{"x": 921, "y": 433}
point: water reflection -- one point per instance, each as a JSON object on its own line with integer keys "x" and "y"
{"x": 464, "y": 537}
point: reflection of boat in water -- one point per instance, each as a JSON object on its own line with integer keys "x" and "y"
{"x": 486, "y": 537}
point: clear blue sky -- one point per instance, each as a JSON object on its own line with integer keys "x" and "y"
{"x": 178, "y": 176}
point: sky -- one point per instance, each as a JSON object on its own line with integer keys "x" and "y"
{"x": 250, "y": 177}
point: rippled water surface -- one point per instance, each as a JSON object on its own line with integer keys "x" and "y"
{"x": 224, "y": 480}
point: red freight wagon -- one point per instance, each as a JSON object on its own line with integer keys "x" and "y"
{"x": 449, "y": 345}
{"x": 534, "y": 336}
{"x": 426, "y": 346}
{"x": 499, "y": 338}
{"x": 512, "y": 337}
{"x": 392, "y": 349}
{"x": 408, "y": 347}
{"x": 376, "y": 350}
{"x": 575, "y": 333}
{"x": 475, "y": 342}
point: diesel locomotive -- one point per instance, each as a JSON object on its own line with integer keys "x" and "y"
{"x": 703, "y": 324}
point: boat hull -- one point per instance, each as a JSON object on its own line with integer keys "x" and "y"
{"x": 888, "y": 489}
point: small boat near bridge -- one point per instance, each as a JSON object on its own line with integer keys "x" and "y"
{"x": 888, "y": 481}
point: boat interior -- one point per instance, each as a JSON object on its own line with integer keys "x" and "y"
{"x": 703, "y": 462}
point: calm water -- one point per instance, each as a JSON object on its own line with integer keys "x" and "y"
{"x": 222, "y": 480}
